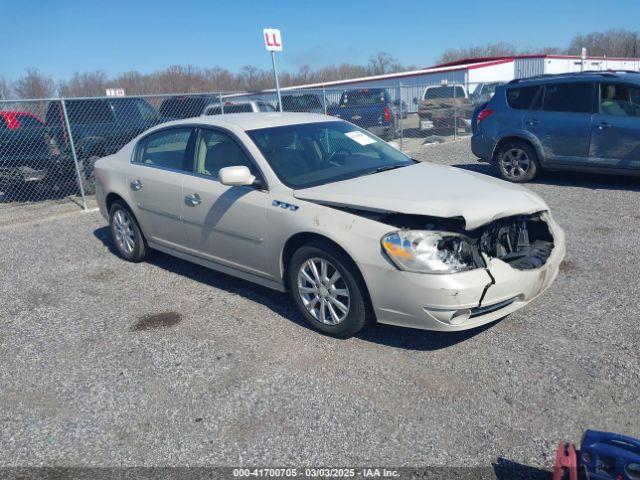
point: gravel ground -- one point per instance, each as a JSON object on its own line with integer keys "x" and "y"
{"x": 165, "y": 363}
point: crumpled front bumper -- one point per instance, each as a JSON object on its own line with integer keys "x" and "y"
{"x": 460, "y": 301}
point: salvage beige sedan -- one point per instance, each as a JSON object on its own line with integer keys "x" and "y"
{"x": 354, "y": 228}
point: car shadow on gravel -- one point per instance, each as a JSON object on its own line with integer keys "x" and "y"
{"x": 565, "y": 179}
{"x": 281, "y": 304}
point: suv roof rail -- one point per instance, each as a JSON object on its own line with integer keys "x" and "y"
{"x": 603, "y": 73}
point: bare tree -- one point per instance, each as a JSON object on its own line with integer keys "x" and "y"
{"x": 4, "y": 89}
{"x": 500, "y": 49}
{"x": 613, "y": 43}
{"x": 34, "y": 85}
{"x": 85, "y": 85}
{"x": 382, "y": 63}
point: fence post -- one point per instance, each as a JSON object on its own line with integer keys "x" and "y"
{"x": 73, "y": 153}
{"x": 221, "y": 103}
{"x": 324, "y": 99}
{"x": 400, "y": 114}
{"x": 455, "y": 113}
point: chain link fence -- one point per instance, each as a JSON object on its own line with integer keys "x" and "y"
{"x": 48, "y": 147}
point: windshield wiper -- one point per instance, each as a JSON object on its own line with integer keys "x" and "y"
{"x": 385, "y": 168}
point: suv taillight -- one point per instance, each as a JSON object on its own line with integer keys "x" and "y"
{"x": 386, "y": 114}
{"x": 484, "y": 114}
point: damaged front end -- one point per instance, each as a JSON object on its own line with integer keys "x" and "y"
{"x": 525, "y": 242}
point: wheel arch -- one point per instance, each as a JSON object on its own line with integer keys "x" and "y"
{"x": 529, "y": 139}
{"x": 112, "y": 197}
{"x": 303, "y": 238}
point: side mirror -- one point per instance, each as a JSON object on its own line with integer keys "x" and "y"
{"x": 236, "y": 176}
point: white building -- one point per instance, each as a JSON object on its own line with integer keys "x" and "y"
{"x": 469, "y": 72}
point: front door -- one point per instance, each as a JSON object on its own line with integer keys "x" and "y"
{"x": 615, "y": 130}
{"x": 155, "y": 182}
{"x": 563, "y": 124}
{"x": 226, "y": 225}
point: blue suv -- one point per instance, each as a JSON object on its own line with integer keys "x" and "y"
{"x": 588, "y": 121}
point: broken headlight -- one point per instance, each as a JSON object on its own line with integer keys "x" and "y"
{"x": 428, "y": 251}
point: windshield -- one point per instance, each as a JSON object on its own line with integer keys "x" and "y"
{"x": 444, "y": 92}
{"x": 311, "y": 154}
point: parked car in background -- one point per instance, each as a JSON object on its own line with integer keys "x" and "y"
{"x": 483, "y": 92}
{"x": 305, "y": 102}
{"x": 352, "y": 227}
{"x": 445, "y": 107}
{"x": 401, "y": 106}
{"x": 100, "y": 127}
{"x": 238, "y": 107}
{"x": 369, "y": 108}
{"x": 185, "y": 106}
{"x": 583, "y": 121}
{"x": 24, "y": 154}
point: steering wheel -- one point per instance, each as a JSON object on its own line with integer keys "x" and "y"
{"x": 329, "y": 159}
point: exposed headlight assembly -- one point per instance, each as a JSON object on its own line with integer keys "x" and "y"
{"x": 426, "y": 251}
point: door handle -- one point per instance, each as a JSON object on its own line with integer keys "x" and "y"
{"x": 193, "y": 200}
{"x": 533, "y": 122}
{"x": 603, "y": 126}
{"x": 136, "y": 185}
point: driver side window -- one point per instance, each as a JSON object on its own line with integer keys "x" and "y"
{"x": 215, "y": 150}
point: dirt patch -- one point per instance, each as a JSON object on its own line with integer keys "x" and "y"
{"x": 157, "y": 320}
{"x": 602, "y": 230}
{"x": 568, "y": 267}
{"x": 102, "y": 276}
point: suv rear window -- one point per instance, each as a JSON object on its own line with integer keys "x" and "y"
{"x": 444, "y": 92}
{"x": 183, "y": 107}
{"x": 89, "y": 111}
{"x": 361, "y": 98}
{"x": 521, "y": 98}
{"x": 568, "y": 97}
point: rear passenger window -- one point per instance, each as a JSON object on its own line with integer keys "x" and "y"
{"x": 568, "y": 97}
{"x": 521, "y": 98}
{"x": 166, "y": 148}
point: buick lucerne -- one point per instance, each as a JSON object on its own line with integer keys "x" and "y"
{"x": 351, "y": 226}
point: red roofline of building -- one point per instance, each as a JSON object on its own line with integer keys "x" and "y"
{"x": 468, "y": 61}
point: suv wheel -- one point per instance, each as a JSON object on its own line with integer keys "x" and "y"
{"x": 517, "y": 162}
{"x": 327, "y": 290}
{"x": 126, "y": 234}
{"x": 87, "y": 175}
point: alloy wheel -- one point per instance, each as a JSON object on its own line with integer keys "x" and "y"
{"x": 123, "y": 231}
{"x": 323, "y": 291}
{"x": 515, "y": 162}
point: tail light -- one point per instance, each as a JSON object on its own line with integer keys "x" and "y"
{"x": 387, "y": 114}
{"x": 484, "y": 114}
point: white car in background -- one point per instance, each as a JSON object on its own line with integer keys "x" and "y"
{"x": 352, "y": 227}
{"x": 238, "y": 107}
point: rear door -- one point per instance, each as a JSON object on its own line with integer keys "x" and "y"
{"x": 226, "y": 225}
{"x": 563, "y": 124}
{"x": 615, "y": 130}
{"x": 155, "y": 181}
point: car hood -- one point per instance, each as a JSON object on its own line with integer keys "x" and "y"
{"x": 432, "y": 190}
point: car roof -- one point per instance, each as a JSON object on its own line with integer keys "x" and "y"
{"x": 579, "y": 77}
{"x": 255, "y": 120}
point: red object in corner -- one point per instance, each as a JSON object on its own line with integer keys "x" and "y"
{"x": 566, "y": 467}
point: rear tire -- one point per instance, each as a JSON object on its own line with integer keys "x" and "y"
{"x": 126, "y": 234}
{"x": 517, "y": 161}
{"x": 330, "y": 295}
{"x": 87, "y": 175}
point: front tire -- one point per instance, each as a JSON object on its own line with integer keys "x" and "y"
{"x": 327, "y": 289}
{"x": 126, "y": 234}
{"x": 517, "y": 162}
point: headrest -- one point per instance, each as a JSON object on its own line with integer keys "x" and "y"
{"x": 281, "y": 140}
{"x": 610, "y": 92}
